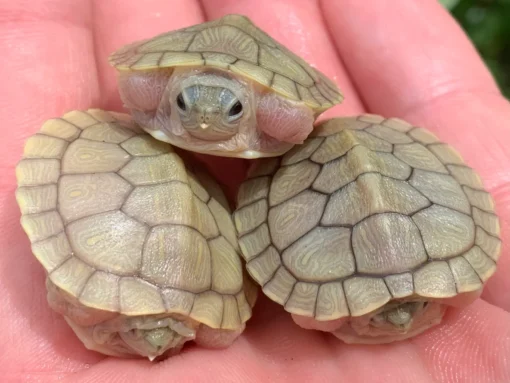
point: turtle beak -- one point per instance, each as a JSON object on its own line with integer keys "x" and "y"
{"x": 204, "y": 126}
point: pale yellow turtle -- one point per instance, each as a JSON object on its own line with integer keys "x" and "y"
{"x": 369, "y": 230}
{"x": 140, "y": 250}
{"x": 223, "y": 87}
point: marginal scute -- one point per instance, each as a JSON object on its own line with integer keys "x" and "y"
{"x": 226, "y": 268}
{"x": 84, "y": 119}
{"x": 71, "y": 276}
{"x": 445, "y": 232}
{"x": 208, "y": 309}
{"x": 100, "y": 291}
{"x": 231, "y": 319}
{"x": 488, "y": 243}
{"x": 31, "y": 172}
{"x": 53, "y": 251}
{"x": 387, "y": 243}
{"x": 331, "y": 303}
{"x": 483, "y": 265}
{"x": 400, "y": 285}
{"x": 42, "y": 226}
{"x": 423, "y": 136}
{"x": 371, "y": 194}
{"x": 60, "y": 128}
{"x": 178, "y": 301}
{"x": 365, "y": 294}
{"x": 250, "y": 217}
{"x": 280, "y": 286}
{"x": 253, "y": 243}
{"x": 322, "y": 255}
{"x": 138, "y": 297}
{"x": 37, "y": 199}
{"x": 370, "y": 118}
{"x": 253, "y": 190}
{"x": 302, "y": 299}
{"x": 446, "y": 154}
{"x": 480, "y": 199}
{"x": 295, "y": 217}
{"x": 466, "y": 176}
{"x": 465, "y": 276}
{"x": 178, "y": 257}
{"x": 291, "y": 180}
{"x": 263, "y": 267}
{"x": 435, "y": 280}
{"x": 488, "y": 221}
{"x": 397, "y": 124}
{"x": 41, "y": 146}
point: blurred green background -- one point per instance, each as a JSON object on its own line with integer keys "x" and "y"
{"x": 487, "y": 22}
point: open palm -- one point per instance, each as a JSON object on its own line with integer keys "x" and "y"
{"x": 403, "y": 59}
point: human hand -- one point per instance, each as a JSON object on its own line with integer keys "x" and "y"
{"x": 408, "y": 61}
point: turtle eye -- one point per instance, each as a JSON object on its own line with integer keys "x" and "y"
{"x": 180, "y": 102}
{"x": 236, "y": 110}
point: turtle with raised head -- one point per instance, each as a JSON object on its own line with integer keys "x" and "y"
{"x": 362, "y": 226}
{"x": 223, "y": 87}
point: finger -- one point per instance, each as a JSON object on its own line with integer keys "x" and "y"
{"x": 118, "y": 22}
{"x": 299, "y": 26}
{"x": 412, "y": 61}
{"x": 401, "y": 57}
{"x": 47, "y": 68}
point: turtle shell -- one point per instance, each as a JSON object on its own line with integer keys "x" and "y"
{"x": 367, "y": 210}
{"x": 121, "y": 225}
{"x": 233, "y": 43}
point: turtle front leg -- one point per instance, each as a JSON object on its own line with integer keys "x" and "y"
{"x": 284, "y": 120}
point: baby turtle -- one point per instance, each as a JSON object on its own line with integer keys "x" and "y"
{"x": 223, "y": 87}
{"x": 369, "y": 230}
{"x": 140, "y": 250}
{"x": 366, "y": 227}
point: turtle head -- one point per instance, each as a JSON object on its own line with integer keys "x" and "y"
{"x": 210, "y": 112}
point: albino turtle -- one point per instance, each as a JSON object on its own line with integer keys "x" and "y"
{"x": 369, "y": 230}
{"x": 140, "y": 250}
{"x": 223, "y": 87}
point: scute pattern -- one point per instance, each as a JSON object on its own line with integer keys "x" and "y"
{"x": 234, "y": 43}
{"x": 392, "y": 213}
{"x": 121, "y": 224}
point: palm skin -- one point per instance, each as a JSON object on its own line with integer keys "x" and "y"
{"x": 398, "y": 58}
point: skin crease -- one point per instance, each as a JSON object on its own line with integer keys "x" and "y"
{"x": 386, "y": 55}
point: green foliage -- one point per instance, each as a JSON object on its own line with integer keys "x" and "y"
{"x": 487, "y": 22}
